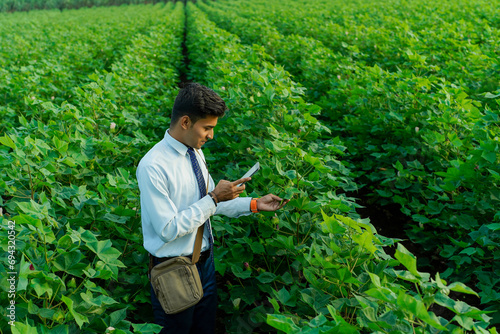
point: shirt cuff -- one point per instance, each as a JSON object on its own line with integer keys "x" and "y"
{"x": 209, "y": 204}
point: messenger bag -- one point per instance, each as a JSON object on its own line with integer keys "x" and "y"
{"x": 176, "y": 282}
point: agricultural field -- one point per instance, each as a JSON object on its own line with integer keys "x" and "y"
{"x": 378, "y": 119}
{"x": 27, "y": 5}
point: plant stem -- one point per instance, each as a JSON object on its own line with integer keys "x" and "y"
{"x": 297, "y": 232}
{"x": 31, "y": 184}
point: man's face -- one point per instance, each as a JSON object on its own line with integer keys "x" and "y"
{"x": 201, "y": 131}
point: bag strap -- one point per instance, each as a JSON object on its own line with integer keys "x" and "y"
{"x": 197, "y": 244}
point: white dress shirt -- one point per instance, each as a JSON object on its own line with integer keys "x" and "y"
{"x": 171, "y": 208}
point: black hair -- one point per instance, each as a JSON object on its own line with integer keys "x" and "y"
{"x": 197, "y": 102}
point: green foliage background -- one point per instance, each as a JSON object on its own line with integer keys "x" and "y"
{"x": 336, "y": 97}
{"x": 28, "y": 5}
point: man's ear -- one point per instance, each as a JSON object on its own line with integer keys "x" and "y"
{"x": 185, "y": 122}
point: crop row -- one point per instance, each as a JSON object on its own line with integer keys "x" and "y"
{"x": 452, "y": 40}
{"x": 46, "y": 54}
{"x": 67, "y": 181}
{"x": 435, "y": 148}
{"x": 316, "y": 266}
{"x": 29, "y": 5}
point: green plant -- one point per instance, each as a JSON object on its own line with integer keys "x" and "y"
{"x": 67, "y": 182}
{"x": 268, "y": 262}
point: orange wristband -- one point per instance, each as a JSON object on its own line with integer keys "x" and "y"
{"x": 253, "y": 205}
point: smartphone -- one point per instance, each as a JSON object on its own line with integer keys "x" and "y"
{"x": 251, "y": 172}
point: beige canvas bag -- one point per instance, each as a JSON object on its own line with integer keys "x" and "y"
{"x": 176, "y": 282}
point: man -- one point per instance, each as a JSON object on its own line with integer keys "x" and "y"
{"x": 175, "y": 201}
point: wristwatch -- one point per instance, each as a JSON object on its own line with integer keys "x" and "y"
{"x": 214, "y": 197}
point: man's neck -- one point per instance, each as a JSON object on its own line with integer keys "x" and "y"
{"x": 177, "y": 136}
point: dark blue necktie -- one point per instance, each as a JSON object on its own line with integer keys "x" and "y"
{"x": 201, "y": 185}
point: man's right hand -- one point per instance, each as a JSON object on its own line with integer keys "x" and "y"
{"x": 225, "y": 190}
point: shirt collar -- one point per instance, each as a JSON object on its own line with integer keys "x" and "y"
{"x": 177, "y": 145}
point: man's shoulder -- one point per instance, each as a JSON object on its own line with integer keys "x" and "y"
{"x": 150, "y": 166}
{"x": 159, "y": 156}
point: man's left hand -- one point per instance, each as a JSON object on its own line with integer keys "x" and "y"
{"x": 270, "y": 203}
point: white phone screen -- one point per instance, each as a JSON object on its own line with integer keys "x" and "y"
{"x": 251, "y": 172}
